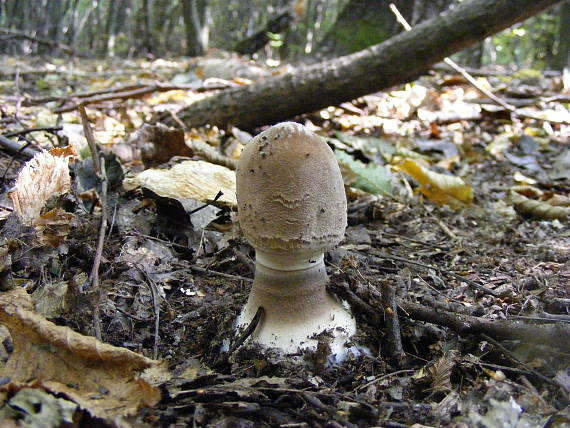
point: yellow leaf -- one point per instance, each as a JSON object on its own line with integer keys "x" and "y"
{"x": 439, "y": 188}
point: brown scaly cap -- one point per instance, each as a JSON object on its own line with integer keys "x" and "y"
{"x": 290, "y": 191}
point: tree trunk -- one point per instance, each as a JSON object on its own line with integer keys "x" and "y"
{"x": 194, "y": 12}
{"x": 364, "y": 23}
{"x": 562, "y": 59}
{"x": 398, "y": 60}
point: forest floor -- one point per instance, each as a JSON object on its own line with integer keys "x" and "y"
{"x": 458, "y": 231}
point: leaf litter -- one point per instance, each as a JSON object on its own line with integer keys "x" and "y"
{"x": 435, "y": 179}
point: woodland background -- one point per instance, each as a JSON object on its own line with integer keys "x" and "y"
{"x": 122, "y": 264}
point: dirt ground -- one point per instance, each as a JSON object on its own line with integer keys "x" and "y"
{"x": 481, "y": 295}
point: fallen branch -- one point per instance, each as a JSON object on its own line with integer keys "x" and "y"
{"x": 400, "y": 59}
{"x": 137, "y": 92}
{"x": 17, "y": 148}
{"x": 557, "y": 335}
{"x": 51, "y": 43}
{"x": 553, "y": 335}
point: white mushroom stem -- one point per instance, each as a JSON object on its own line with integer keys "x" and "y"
{"x": 287, "y": 262}
{"x": 297, "y": 307}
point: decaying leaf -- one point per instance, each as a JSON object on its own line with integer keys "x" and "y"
{"x": 539, "y": 209}
{"x": 35, "y": 408}
{"x": 50, "y": 299}
{"x": 100, "y": 378}
{"x": 440, "y": 372}
{"x": 197, "y": 180}
{"x": 44, "y": 176}
{"x": 371, "y": 178}
{"x": 440, "y": 188}
{"x": 159, "y": 143}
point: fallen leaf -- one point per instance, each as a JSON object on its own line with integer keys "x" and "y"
{"x": 197, "y": 180}
{"x": 439, "y": 188}
{"x": 100, "y": 378}
{"x": 538, "y": 209}
{"x": 371, "y": 178}
{"x": 35, "y": 408}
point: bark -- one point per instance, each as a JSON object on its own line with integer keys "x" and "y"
{"x": 562, "y": 59}
{"x": 258, "y": 40}
{"x": 194, "y": 12}
{"x": 362, "y": 23}
{"x": 398, "y": 60}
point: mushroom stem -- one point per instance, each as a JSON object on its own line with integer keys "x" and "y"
{"x": 297, "y": 308}
{"x": 288, "y": 262}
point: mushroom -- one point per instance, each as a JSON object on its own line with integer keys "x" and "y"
{"x": 292, "y": 208}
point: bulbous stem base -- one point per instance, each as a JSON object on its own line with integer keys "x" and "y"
{"x": 297, "y": 308}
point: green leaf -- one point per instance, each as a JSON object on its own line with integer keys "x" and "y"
{"x": 371, "y": 178}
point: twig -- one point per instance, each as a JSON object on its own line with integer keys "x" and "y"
{"x": 474, "y": 82}
{"x": 417, "y": 241}
{"x": 136, "y": 93}
{"x": 222, "y": 274}
{"x": 101, "y": 174}
{"x": 426, "y": 266}
{"x": 134, "y": 316}
{"x": 156, "y": 308}
{"x": 394, "y": 349}
{"x": 248, "y": 330}
{"x": 28, "y": 130}
{"x": 90, "y": 139}
{"x": 516, "y": 360}
{"x": 441, "y": 224}
{"x": 17, "y": 148}
{"x": 381, "y": 378}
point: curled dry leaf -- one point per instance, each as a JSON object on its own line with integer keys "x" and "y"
{"x": 197, "y": 180}
{"x": 538, "y": 209}
{"x": 102, "y": 379}
{"x": 44, "y": 176}
{"x": 440, "y": 188}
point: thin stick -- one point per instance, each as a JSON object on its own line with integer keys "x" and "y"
{"x": 394, "y": 349}
{"x": 516, "y": 360}
{"x": 28, "y": 130}
{"x": 437, "y": 269}
{"x": 156, "y": 308}
{"x": 100, "y": 171}
{"x": 90, "y": 139}
{"x": 248, "y": 330}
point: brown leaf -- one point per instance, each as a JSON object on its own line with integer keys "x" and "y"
{"x": 103, "y": 379}
{"x": 538, "y": 209}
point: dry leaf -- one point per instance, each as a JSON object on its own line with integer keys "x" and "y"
{"x": 102, "y": 379}
{"x": 439, "y": 188}
{"x": 197, "y": 180}
{"x": 41, "y": 178}
{"x": 440, "y": 372}
{"x": 538, "y": 209}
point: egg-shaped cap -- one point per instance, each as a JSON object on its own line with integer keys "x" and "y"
{"x": 290, "y": 192}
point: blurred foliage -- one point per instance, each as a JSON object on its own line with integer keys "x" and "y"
{"x": 141, "y": 27}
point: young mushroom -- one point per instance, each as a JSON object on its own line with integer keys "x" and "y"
{"x": 292, "y": 208}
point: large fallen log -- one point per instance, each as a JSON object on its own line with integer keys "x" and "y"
{"x": 398, "y": 60}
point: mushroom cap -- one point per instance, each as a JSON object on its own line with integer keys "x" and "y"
{"x": 290, "y": 192}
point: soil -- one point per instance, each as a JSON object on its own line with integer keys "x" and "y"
{"x": 485, "y": 261}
